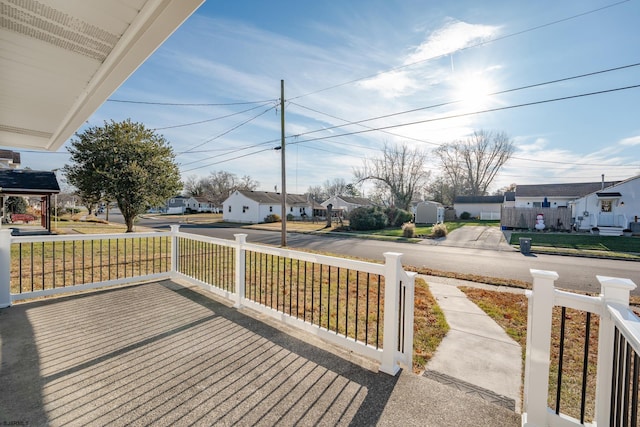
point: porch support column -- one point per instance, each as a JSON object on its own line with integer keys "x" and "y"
{"x": 5, "y": 268}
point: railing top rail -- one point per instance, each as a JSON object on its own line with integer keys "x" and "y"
{"x": 207, "y": 239}
{"x": 72, "y": 237}
{"x": 317, "y": 258}
{"x": 578, "y": 301}
{"x": 627, "y": 323}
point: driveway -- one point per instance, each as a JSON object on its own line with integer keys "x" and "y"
{"x": 475, "y": 237}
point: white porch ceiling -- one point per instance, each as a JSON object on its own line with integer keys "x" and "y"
{"x": 61, "y": 59}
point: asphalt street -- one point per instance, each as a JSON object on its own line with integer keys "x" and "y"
{"x": 576, "y": 273}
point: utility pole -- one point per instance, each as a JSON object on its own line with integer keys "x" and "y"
{"x": 283, "y": 242}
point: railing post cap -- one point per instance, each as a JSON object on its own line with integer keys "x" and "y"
{"x": 175, "y": 227}
{"x": 392, "y": 255}
{"x": 543, "y": 274}
{"x": 616, "y": 282}
{"x": 241, "y": 237}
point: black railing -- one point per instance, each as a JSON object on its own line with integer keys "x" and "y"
{"x": 575, "y": 360}
{"x": 342, "y": 300}
{"x": 624, "y": 384}
{"x": 59, "y": 263}
{"x": 207, "y": 262}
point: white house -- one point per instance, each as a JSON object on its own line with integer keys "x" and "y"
{"x": 9, "y": 159}
{"x": 555, "y": 195}
{"x": 253, "y": 207}
{"x": 616, "y": 206}
{"x": 346, "y": 204}
{"x": 181, "y": 204}
{"x": 481, "y": 207}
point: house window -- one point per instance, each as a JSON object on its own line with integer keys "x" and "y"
{"x": 245, "y": 208}
{"x": 605, "y": 206}
{"x": 537, "y": 204}
{"x": 229, "y": 208}
{"x": 270, "y": 208}
{"x": 172, "y": 201}
{"x": 291, "y": 209}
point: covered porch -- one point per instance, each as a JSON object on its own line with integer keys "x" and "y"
{"x": 165, "y": 352}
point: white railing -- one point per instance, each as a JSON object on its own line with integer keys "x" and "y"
{"x": 69, "y": 263}
{"x": 616, "y": 322}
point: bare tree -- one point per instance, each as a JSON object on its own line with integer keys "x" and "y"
{"x": 400, "y": 170}
{"x": 194, "y": 186}
{"x": 471, "y": 165}
{"x": 218, "y": 185}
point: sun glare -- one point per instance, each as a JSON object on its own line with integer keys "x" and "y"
{"x": 473, "y": 91}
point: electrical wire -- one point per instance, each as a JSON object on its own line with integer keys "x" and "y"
{"x": 453, "y": 116}
{"x": 225, "y": 133}
{"x": 386, "y": 116}
{"x": 178, "y": 104}
{"x": 210, "y": 120}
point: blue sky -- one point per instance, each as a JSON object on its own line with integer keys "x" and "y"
{"x": 358, "y": 60}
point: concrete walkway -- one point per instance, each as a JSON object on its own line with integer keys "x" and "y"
{"x": 476, "y": 237}
{"x": 476, "y": 355}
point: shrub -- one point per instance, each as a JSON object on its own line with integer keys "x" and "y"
{"x": 439, "y": 230}
{"x": 272, "y": 218}
{"x": 465, "y": 215}
{"x": 367, "y": 218}
{"x": 289, "y": 217}
{"x": 408, "y": 229}
{"x": 397, "y": 217}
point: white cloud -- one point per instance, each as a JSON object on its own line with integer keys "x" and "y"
{"x": 632, "y": 141}
{"x": 452, "y": 37}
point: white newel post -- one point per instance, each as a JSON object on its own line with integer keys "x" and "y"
{"x": 174, "y": 250}
{"x": 391, "y": 307}
{"x": 613, "y": 291}
{"x": 5, "y": 268}
{"x": 241, "y": 240}
{"x": 409, "y": 308}
{"x": 538, "y": 351}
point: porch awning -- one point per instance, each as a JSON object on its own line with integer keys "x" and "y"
{"x": 612, "y": 195}
{"x": 61, "y": 60}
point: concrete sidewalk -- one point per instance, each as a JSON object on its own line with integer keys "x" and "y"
{"x": 476, "y": 355}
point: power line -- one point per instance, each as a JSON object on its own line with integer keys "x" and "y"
{"x": 179, "y": 104}
{"x": 225, "y": 133}
{"x": 446, "y": 118}
{"x": 482, "y": 43}
{"x": 210, "y": 120}
{"x": 228, "y": 160}
{"x": 527, "y": 104}
{"x": 359, "y": 122}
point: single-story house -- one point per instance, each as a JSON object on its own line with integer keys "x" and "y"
{"x": 429, "y": 212}
{"x": 555, "y": 195}
{"x": 616, "y": 206}
{"x": 253, "y": 207}
{"x": 481, "y": 207}
{"x": 9, "y": 159}
{"x": 182, "y": 204}
{"x": 346, "y": 204}
{"x": 206, "y": 205}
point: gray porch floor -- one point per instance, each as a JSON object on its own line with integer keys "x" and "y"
{"x": 160, "y": 354}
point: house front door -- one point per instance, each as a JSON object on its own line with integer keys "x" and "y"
{"x": 606, "y": 218}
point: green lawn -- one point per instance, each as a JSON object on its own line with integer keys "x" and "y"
{"x": 583, "y": 242}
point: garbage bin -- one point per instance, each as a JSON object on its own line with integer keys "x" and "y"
{"x": 525, "y": 245}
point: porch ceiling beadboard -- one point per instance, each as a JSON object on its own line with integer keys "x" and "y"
{"x": 61, "y": 59}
